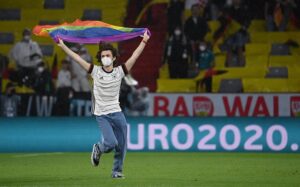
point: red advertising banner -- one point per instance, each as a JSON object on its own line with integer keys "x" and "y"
{"x": 228, "y": 105}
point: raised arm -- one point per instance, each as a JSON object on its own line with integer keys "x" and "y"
{"x": 131, "y": 61}
{"x": 75, "y": 56}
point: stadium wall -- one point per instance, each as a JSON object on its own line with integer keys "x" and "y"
{"x": 154, "y": 134}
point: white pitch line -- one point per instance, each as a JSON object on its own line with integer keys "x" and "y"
{"x": 36, "y": 154}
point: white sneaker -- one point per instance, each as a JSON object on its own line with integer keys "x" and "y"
{"x": 96, "y": 154}
{"x": 118, "y": 175}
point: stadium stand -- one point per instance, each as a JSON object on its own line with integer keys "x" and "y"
{"x": 19, "y": 14}
{"x": 272, "y": 62}
{"x": 266, "y": 54}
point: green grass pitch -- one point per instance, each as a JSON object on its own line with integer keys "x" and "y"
{"x": 151, "y": 169}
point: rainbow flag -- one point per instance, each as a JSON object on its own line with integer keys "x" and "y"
{"x": 91, "y": 32}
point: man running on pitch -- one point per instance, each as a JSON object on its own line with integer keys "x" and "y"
{"x": 105, "y": 98}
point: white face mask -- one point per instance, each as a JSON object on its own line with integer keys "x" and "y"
{"x": 40, "y": 69}
{"x": 106, "y": 61}
{"x": 177, "y": 32}
{"x": 202, "y": 48}
{"x": 27, "y": 37}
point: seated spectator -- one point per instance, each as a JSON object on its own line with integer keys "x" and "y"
{"x": 80, "y": 81}
{"x": 176, "y": 54}
{"x": 9, "y": 102}
{"x": 26, "y": 55}
{"x": 63, "y": 90}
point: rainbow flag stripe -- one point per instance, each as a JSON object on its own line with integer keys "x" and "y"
{"x": 91, "y": 32}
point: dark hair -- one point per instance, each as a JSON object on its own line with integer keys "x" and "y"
{"x": 106, "y": 47}
{"x": 26, "y": 31}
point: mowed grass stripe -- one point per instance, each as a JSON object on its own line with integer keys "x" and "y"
{"x": 152, "y": 169}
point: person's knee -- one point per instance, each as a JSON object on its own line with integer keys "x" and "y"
{"x": 110, "y": 146}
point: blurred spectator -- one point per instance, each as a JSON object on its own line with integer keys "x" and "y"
{"x": 205, "y": 58}
{"x": 64, "y": 90}
{"x": 140, "y": 101}
{"x": 64, "y": 76}
{"x": 278, "y": 14}
{"x": 216, "y": 6}
{"x": 9, "y": 101}
{"x": 134, "y": 102}
{"x": 43, "y": 84}
{"x": 205, "y": 62}
{"x": 125, "y": 90}
{"x": 27, "y": 54}
{"x": 236, "y": 41}
{"x": 80, "y": 82}
{"x": 175, "y": 15}
{"x": 195, "y": 27}
{"x": 176, "y": 54}
{"x": 189, "y": 3}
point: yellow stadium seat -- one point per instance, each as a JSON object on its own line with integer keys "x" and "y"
{"x": 291, "y": 62}
{"x": 295, "y": 51}
{"x": 4, "y": 83}
{"x": 213, "y": 25}
{"x": 92, "y": 50}
{"x": 273, "y": 37}
{"x": 49, "y": 14}
{"x": 265, "y": 85}
{"x": 16, "y": 26}
{"x": 257, "y": 61}
{"x": 252, "y": 85}
{"x": 24, "y": 90}
{"x": 257, "y": 26}
{"x": 164, "y": 71}
{"x": 237, "y": 73}
{"x": 278, "y": 37}
{"x": 259, "y": 37}
{"x": 275, "y": 85}
{"x": 283, "y": 61}
{"x": 187, "y": 13}
{"x": 294, "y": 85}
{"x": 42, "y": 40}
{"x": 294, "y": 72}
{"x": 176, "y": 85}
{"x": 258, "y": 49}
{"x": 5, "y": 48}
{"x": 220, "y": 61}
{"x": 28, "y": 4}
